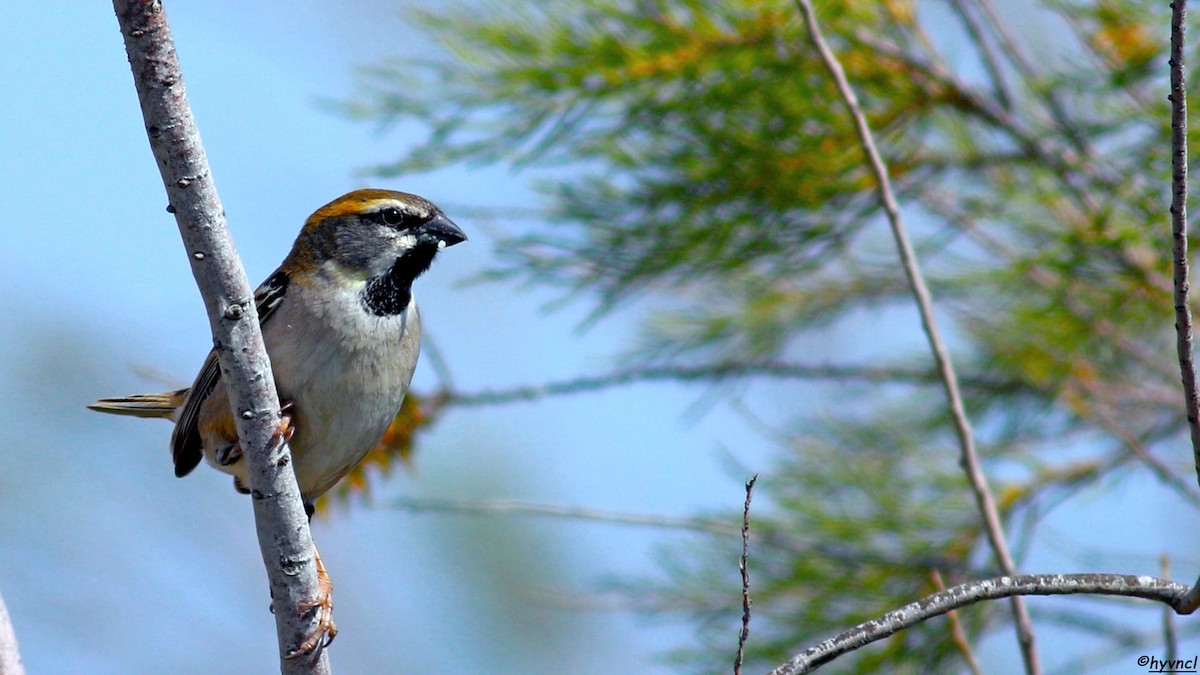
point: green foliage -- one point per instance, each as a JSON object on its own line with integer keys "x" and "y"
{"x": 703, "y": 164}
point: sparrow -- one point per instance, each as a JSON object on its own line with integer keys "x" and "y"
{"x": 343, "y": 334}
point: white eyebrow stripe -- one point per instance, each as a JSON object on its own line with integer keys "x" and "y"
{"x": 404, "y": 207}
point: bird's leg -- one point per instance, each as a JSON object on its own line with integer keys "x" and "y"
{"x": 326, "y": 628}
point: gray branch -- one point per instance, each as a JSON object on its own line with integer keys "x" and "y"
{"x": 744, "y": 568}
{"x": 282, "y": 526}
{"x": 1179, "y": 234}
{"x": 10, "y": 654}
{"x": 1179, "y": 228}
{"x": 1147, "y": 588}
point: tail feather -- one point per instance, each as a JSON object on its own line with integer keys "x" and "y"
{"x": 165, "y": 405}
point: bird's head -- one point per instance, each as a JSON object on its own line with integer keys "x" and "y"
{"x": 377, "y": 241}
{"x": 367, "y": 233}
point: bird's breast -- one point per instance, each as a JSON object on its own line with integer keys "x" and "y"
{"x": 345, "y": 371}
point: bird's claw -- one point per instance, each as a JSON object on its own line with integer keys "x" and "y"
{"x": 286, "y": 427}
{"x": 326, "y": 630}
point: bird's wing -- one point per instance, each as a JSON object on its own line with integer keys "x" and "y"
{"x": 187, "y": 448}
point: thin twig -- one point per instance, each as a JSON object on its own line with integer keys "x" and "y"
{"x": 742, "y": 566}
{"x": 958, "y": 634}
{"x": 1127, "y": 585}
{"x": 1179, "y": 228}
{"x": 282, "y": 526}
{"x": 714, "y": 372}
{"x": 514, "y": 507}
{"x": 908, "y": 259}
{"x": 10, "y": 653}
{"x": 1179, "y": 233}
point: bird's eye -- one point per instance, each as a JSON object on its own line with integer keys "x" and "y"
{"x": 392, "y": 216}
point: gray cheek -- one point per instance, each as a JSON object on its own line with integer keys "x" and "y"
{"x": 364, "y": 247}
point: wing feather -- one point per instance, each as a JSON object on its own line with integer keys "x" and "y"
{"x": 187, "y": 448}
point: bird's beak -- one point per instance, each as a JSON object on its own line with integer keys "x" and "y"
{"x": 443, "y": 230}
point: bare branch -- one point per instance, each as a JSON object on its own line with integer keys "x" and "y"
{"x": 1127, "y": 585}
{"x": 282, "y": 526}
{"x": 912, "y": 270}
{"x": 10, "y": 654}
{"x": 1179, "y": 234}
{"x": 745, "y": 632}
{"x": 1179, "y": 231}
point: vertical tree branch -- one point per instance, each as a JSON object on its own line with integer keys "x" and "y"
{"x": 282, "y": 526}
{"x": 10, "y": 654}
{"x": 1179, "y": 235}
{"x": 941, "y": 356}
{"x": 1179, "y": 228}
{"x": 742, "y": 562}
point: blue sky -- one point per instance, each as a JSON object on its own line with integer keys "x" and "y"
{"x": 109, "y": 564}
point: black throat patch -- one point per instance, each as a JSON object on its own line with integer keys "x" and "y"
{"x": 389, "y": 293}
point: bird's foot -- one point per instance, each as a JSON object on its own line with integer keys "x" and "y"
{"x": 326, "y": 630}
{"x": 286, "y": 427}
